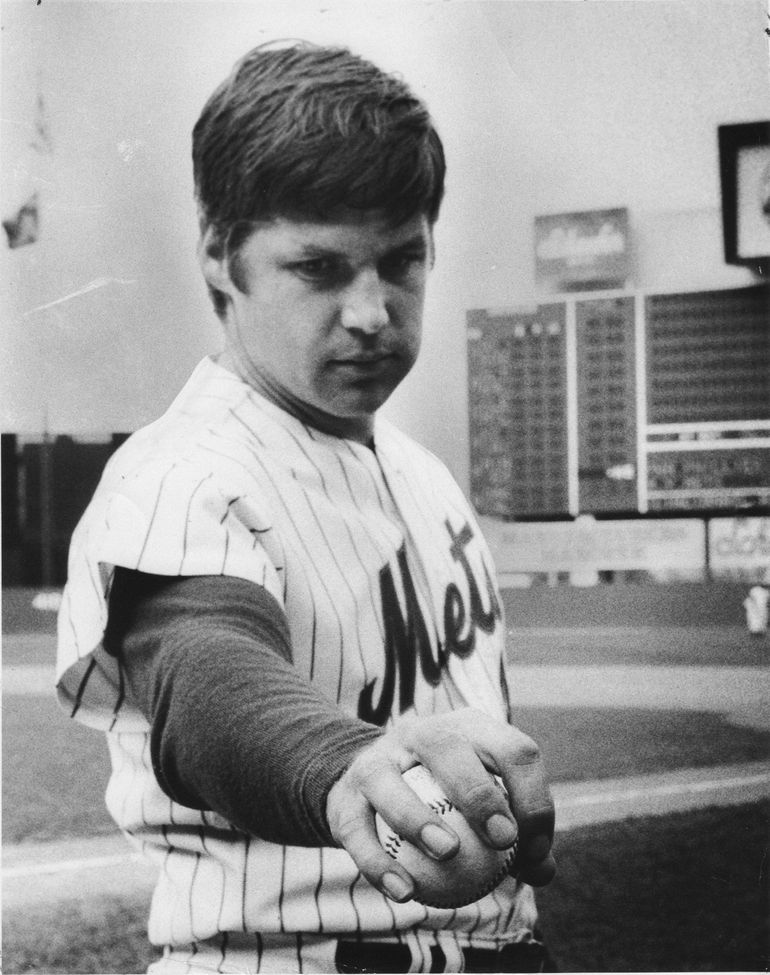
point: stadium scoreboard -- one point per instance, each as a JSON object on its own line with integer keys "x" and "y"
{"x": 621, "y": 403}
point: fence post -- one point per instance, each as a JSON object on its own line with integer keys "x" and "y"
{"x": 46, "y": 510}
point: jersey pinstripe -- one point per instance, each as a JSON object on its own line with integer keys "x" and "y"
{"x": 392, "y": 608}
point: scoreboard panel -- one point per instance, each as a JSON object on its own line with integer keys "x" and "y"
{"x": 708, "y": 356}
{"x": 518, "y": 411}
{"x": 621, "y": 403}
{"x": 606, "y": 405}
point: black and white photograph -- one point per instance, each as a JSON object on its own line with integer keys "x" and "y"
{"x": 385, "y": 420}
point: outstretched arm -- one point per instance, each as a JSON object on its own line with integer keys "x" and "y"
{"x": 236, "y": 729}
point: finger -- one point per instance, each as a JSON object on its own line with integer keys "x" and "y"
{"x": 457, "y": 766}
{"x": 517, "y": 759}
{"x": 532, "y": 805}
{"x": 401, "y": 808}
{"x": 351, "y": 821}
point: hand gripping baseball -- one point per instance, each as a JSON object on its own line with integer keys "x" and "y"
{"x": 459, "y": 749}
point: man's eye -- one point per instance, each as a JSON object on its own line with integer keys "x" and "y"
{"x": 400, "y": 265}
{"x": 316, "y": 269}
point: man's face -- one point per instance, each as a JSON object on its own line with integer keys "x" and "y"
{"x": 330, "y": 313}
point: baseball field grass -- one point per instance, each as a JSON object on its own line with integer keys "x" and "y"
{"x": 686, "y": 892}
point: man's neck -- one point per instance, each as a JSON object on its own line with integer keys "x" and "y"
{"x": 348, "y": 428}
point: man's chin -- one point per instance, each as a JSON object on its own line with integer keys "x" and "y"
{"x": 361, "y": 404}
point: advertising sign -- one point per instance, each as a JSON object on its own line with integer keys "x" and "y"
{"x": 739, "y": 548}
{"x": 582, "y": 251}
{"x": 667, "y": 547}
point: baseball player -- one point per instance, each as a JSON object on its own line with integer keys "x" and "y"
{"x": 277, "y": 602}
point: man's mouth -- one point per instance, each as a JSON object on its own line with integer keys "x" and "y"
{"x": 364, "y": 361}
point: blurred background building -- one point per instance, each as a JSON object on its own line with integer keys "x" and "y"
{"x": 47, "y": 483}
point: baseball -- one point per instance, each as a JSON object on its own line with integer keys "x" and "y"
{"x": 475, "y": 870}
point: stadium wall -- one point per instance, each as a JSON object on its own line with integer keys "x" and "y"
{"x": 628, "y": 605}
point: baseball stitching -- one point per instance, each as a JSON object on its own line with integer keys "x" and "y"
{"x": 392, "y": 845}
{"x": 487, "y": 889}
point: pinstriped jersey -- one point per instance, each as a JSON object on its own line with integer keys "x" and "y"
{"x": 392, "y": 607}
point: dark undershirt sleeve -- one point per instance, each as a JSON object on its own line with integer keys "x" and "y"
{"x": 234, "y": 727}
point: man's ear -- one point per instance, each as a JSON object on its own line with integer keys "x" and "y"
{"x": 213, "y": 260}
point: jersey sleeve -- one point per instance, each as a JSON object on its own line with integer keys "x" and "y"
{"x": 234, "y": 727}
{"x": 169, "y": 520}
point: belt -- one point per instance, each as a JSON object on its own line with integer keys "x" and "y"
{"x": 359, "y": 957}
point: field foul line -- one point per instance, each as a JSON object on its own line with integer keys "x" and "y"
{"x": 71, "y": 866}
{"x": 624, "y": 795}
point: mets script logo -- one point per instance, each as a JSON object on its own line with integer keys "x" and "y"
{"x": 407, "y": 643}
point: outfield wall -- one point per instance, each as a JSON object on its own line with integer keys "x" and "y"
{"x": 664, "y": 550}
{"x": 628, "y": 605}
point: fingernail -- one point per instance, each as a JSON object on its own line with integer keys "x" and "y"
{"x": 437, "y": 840}
{"x": 396, "y": 887}
{"x": 501, "y": 831}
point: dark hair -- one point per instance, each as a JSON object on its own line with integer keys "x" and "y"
{"x": 302, "y": 131}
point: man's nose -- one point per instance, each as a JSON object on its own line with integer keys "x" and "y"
{"x": 364, "y": 306}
